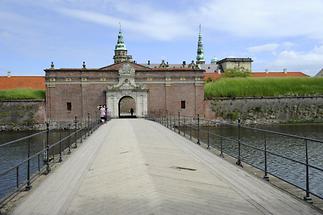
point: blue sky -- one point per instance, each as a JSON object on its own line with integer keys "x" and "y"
{"x": 277, "y": 34}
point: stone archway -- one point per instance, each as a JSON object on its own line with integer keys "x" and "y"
{"x": 140, "y": 97}
{"x": 127, "y": 87}
{"x": 127, "y": 107}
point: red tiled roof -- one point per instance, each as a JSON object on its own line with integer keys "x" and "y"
{"x": 14, "y": 82}
{"x": 212, "y": 75}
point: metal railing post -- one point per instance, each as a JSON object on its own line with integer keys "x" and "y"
{"x": 88, "y": 124}
{"x": 81, "y": 131}
{"x": 198, "y": 129}
{"x": 184, "y": 126}
{"x": 28, "y": 186}
{"x": 75, "y": 131}
{"x": 221, "y": 147}
{"x": 38, "y": 162}
{"x": 208, "y": 135}
{"x": 17, "y": 176}
{"x": 191, "y": 129}
{"x": 60, "y": 145}
{"x": 179, "y": 122}
{"x": 239, "y": 144}
{"x": 266, "y": 171}
{"x": 69, "y": 139}
{"x": 307, "y": 197}
{"x": 47, "y": 148}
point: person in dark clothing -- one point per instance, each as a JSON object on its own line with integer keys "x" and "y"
{"x": 131, "y": 111}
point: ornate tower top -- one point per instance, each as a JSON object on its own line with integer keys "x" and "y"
{"x": 200, "y": 51}
{"x": 120, "y": 43}
{"x": 120, "y": 50}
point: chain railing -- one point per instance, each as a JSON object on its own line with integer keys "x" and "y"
{"x": 21, "y": 175}
{"x": 260, "y": 148}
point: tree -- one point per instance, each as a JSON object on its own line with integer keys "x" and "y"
{"x": 236, "y": 72}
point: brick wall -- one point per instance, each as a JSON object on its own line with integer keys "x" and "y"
{"x": 86, "y": 89}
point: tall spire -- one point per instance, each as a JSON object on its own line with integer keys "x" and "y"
{"x": 120, "y": 50}
{"x": 120, "y": 43}
{"x": 200, "y": 51}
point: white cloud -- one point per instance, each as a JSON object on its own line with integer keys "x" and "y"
{"x": 310, "y": 62}
{"x": 166, "y": 27}
{"x": 248, "y": 18}
{"x": 270, "y": 47}
{"x": 263, "y": 18}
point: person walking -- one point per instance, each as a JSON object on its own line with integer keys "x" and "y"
{"x": 102, "y": 113}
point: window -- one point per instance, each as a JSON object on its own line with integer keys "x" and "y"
{"x": 69, "y": 106}
{"x": 183, "y": 104}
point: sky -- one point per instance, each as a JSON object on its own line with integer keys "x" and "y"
{"x": 276, "y": 34}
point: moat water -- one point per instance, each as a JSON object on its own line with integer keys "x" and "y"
{"x": 288, "y": 147}
{"x": 13, "y": 154}
{"x": 290, "y": 171}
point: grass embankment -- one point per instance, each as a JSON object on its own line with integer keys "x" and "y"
{"x": 18, "y": 94}
{"x": 254, "y": 87}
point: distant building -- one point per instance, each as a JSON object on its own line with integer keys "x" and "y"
{"x": 235, "y": 63}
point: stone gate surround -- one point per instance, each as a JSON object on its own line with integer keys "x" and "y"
{"x": 127, "y": 87}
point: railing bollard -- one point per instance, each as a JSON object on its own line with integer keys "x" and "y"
{"x": 221, "y": 147}
{"x": 179, "y": 122}
{"x": 28, "y": 186}
{"x": 167, "y": 120}
{"x": 184, "y": 126}
{"x": 38, "y": 162}
{"x": 60, "y": 145}
{"x": 198, "y": 129}
{"x": 88, "y": 124}
{"x": 266, "y": 171}
{"x": 191, "y": 129}
{"x": 75, "y": 131}
{"x": 17, "y": 176}
{"x": 69, "y": 139}
{"x": 239, "y": 144}
{"x": 47, "y": 148}
{"x": 81, "y": 131}
{"x": 208, "y": 135}
{"x": 307, "y": 197}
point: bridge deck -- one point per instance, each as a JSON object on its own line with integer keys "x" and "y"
{"x": 134, "y": 167}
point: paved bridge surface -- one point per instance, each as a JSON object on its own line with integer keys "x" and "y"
{"x": 135, "y": 166}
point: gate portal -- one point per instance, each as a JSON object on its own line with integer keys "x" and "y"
{"x": 127, "y": 87}
{"x": 127, "y": 107}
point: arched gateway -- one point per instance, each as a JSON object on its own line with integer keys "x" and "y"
{"x": 127, "y": 107}
{"x": 127, "y": 87}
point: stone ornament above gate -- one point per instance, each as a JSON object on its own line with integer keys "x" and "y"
{"x": 126, "y": 79}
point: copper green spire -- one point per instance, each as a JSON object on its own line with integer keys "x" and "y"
{"x": 120, "y": 51}
{"x": 120, "y": 43}
{"x": 200, "y": 51}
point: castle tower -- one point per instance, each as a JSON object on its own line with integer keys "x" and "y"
{"x": 120, "y": 50}
{"x": 200, "y": 51}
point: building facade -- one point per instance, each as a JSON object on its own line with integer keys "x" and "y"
{"x": 77, "y": 92}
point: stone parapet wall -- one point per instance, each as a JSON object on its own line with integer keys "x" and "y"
{"x": 268, "y": 110}
{"x": 22, "y": 115}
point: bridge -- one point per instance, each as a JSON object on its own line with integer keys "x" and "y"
{"x": 137, "y": 166}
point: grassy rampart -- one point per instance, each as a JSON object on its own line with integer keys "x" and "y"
{"x": 254, "y": 87}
